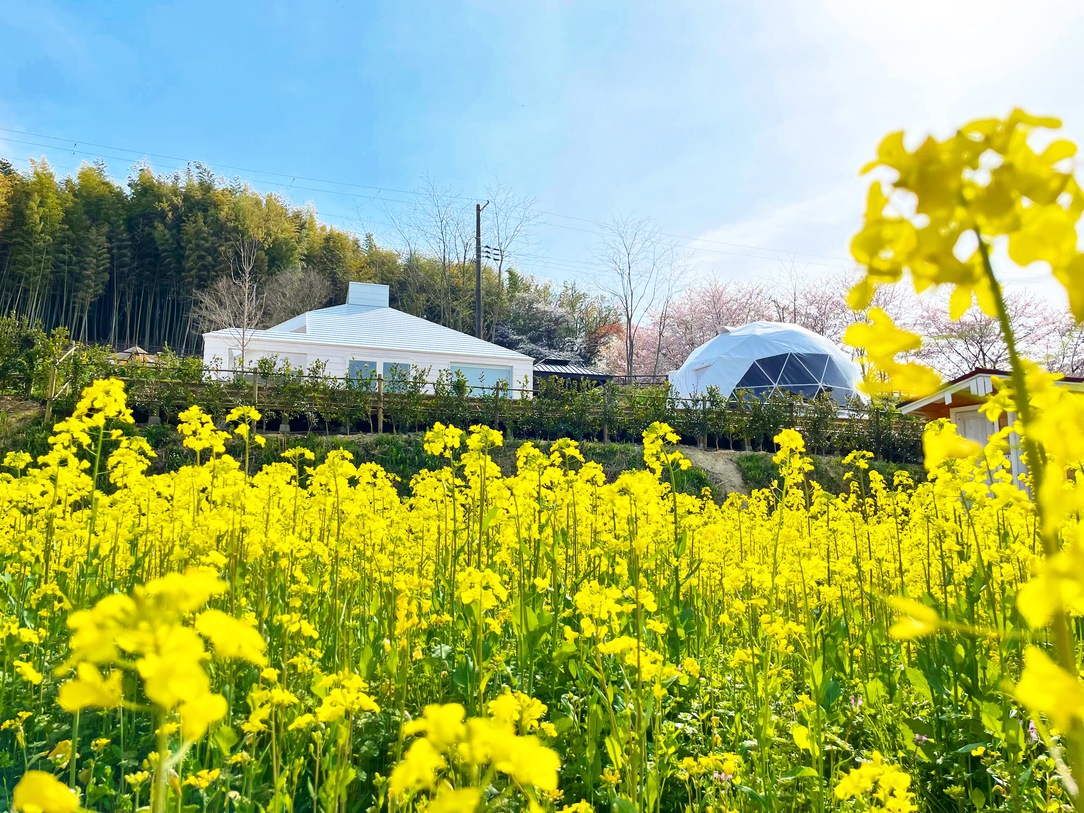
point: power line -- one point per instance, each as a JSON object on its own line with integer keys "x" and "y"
{"x": 75, "y": 151}
{"x": 188, "y": 161}
{"x": 363, "y": 222}
{"x": 779, "y": 253}
{"x": 536, "y": 262}
{"x": 197, "y": 163}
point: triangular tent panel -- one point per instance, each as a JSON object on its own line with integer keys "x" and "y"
{"x": 765, "y": 357}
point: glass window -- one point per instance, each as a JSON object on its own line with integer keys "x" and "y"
{"x": 773, "y": 365}
{"x": 395, "y": 375}
{"x": 363, "y": 372}
{"x": 754, "y": 377}
{"x": 815, "y": 363}
{"x": 481, "y": 380}
{"x": 795, "y": 374}
{"x": 841, "y": 395}
{"x": 835, "y": 377}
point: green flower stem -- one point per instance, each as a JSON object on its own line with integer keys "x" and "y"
{"x": 1064, "y": 647}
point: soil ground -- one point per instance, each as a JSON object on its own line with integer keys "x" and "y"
{"x": 720, "y": 466}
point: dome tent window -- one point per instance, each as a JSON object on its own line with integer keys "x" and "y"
{"x": 765, "y": 358}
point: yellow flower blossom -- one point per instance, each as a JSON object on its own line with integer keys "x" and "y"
{"x": 1046, "y": 688}
{"x": 27, "y": 672}
{"x": 40, "y": 792}
{"x": 916, "y": 619}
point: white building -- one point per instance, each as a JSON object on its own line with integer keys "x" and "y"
{"x": 366, "y": 337}
{"x": 765, "y": 358}
{"x": 959, "y": 400}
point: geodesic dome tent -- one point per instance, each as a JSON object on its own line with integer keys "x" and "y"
{"x": 763, "y": 358}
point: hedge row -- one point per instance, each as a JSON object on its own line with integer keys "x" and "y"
{"x": 46, "y": 367}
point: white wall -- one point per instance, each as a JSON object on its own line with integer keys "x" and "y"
{"x": 338, "y": 357}
{"x": 973, "y": 425}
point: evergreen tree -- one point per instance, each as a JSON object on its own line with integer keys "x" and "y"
{"x": 124, "y": 264}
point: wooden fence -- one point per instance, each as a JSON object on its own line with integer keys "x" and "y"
{"x": 299, "y": 402}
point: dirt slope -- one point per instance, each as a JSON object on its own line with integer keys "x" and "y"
{"x": 720, "y": 467}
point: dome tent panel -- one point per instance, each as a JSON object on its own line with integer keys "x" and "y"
{"x": 816, "y": 363}
{"x": 765, "y": 357}
{"x": 806, "y": 390}
{"x": 773, "y": 365}
{"x": 835, "y": 377}
{"x": 755, "y": 376}
{"x": 796, "y": 374}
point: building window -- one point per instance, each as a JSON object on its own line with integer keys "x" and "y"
{"x": 364, "y": 372}
{"x": 396, "y": 376}
{"x": 482, "y": 380}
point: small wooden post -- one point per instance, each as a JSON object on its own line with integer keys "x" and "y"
{"x": 380, "y": 404}
{"x": 606, "y": 412}
{"x": 702, "y": 441}
{"x": 496, "y": 404}
{"x": 50, "y": 394}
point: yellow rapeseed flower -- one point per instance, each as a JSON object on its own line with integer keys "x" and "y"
{"x": 40, "y": 792}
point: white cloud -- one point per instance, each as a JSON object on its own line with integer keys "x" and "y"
{"x": 839, "y": 74}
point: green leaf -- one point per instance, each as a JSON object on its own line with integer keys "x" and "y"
{"x": 489, "y": 517}
{"x": 876, "y": 693}
{"x": 225, "y": 738}
{"x": 616, "y": 752}
{"x": 760, "y": 800}
{"x": 800, "y": 773}
{"x": 993, "y": 719}
{"x": 830, "y": 693}
{"x": 919, "y": 683}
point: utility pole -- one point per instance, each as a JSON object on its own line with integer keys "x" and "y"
{"x": 478, "y": 207}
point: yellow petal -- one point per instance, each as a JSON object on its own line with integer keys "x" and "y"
{"x": 1022, "y": 117}
{"x": 916, "y": 619}
{"x": 1071, "y": 275}
{"x": 90, "y": 690}
{"x": 1037, "y": 602}
{"x": 198, "y": 714}
{"x": 940, "y": 442}
{"x": 1046, "y": 688}
{"x": 1047, "y": 233}
{"x": 232, "y": 638}
{"x": 41, "y": 792}
{"x": 801, "y": 736}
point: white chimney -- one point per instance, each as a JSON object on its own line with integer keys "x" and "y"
{"x": 367, "y": 293}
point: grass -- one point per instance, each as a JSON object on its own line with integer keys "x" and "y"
{"x": 403, "y": 456}
{"x": 759, "y": 471}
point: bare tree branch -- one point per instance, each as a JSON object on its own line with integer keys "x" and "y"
{"x": 234, "y": 302}
{"x": 974, "y": 340}
{"x": 510, "y": 222}
{"x": 440, "y": 225}
{"x": 293, "y": 291}
{"x": 640, "y": 272}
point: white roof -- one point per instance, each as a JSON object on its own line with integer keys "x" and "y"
{"x": 979, "y": 383}
{"x": 380, "y": 328}
{"x": 723, "y": 362}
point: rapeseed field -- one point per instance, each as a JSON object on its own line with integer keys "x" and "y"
{"x": 302, "y": 638}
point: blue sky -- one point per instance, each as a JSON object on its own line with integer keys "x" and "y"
{"x": 737, "y": 126}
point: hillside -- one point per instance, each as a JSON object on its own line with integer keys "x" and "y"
{"x": 724, "y": 472}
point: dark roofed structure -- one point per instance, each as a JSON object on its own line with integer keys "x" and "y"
{"x": 137, "y": 354}
{"x": 568, "y": 370}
